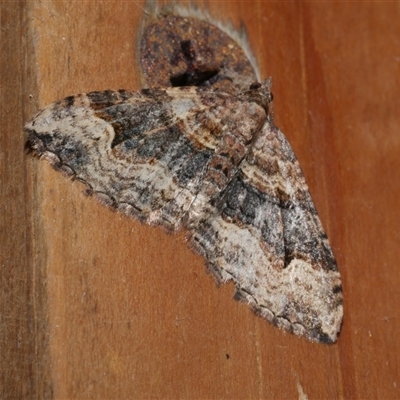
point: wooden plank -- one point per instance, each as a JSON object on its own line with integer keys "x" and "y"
{"x": 24, "y": 360}
{"x": 95, "y": 305}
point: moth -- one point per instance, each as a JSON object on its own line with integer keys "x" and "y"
{"x": 214, "y": 164}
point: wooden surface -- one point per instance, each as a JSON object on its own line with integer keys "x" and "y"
{"x": 94, "y": 305}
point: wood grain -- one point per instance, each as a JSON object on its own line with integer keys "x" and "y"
{"x": 94, "y": 305}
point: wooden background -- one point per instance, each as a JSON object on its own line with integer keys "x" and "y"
{"x": 94, "y": 305}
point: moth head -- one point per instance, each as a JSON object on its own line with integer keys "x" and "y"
{"x": 260, "y": 93}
